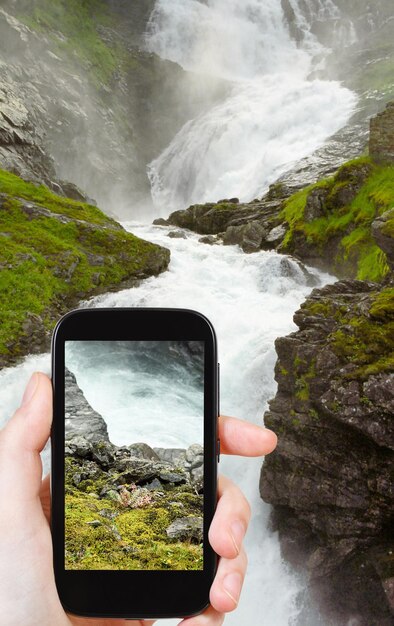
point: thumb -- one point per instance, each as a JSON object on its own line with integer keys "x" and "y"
{"x": 22, "y": 440}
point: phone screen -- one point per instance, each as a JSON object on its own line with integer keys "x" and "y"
{"x": 134, "y": 457}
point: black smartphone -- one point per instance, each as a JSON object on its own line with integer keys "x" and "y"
{"x": 134, "y": 461}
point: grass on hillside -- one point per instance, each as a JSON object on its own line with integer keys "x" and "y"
{"x": 45, "y": 262}
{"x": 352, "y": 223}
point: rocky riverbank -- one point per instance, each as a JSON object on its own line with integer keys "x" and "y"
{"x": 128, "y": 507}
{"x": 55, "y": 252}
{"x": 331, "y": 478}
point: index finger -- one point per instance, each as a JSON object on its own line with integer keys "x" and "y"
{"x": 245, "y": 439}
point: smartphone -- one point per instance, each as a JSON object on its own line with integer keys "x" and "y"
{"x": 135, "y": 449}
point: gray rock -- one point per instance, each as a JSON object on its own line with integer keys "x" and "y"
{"x": 134, "y": 470}
{"x": 79, "y": 446}
{"x": 143, "y": 451}
{"x": 110, "y": 494}
{"x": 195, "y": 465}
{"x": 175, "y": 456}
{"x": 172, "y": 477}
{"x": 80, "y": 418}
{"x": 330, "y": 478}
{"x": 193, "y": 455}
{"x": 186, "y": 528}
{"x": 383, "y": 234}
{"x": 209, "y": 239}
{"x": 249, "y": 236}
{"x": 176, "y": 234}
{"x": 276, "y": 235}
{"x": 154, "y": 485}
{"x": 103, "y": 452}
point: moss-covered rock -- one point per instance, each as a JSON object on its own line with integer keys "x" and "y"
{"x": 54, "y": 252}
{"x": 329, "y": 223}
{"x": 330, "y": 477}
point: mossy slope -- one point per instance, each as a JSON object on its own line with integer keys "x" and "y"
{"x": 331, "y": 220}
{"x": 126, "y": 529}
{"x": 55, "y": 251}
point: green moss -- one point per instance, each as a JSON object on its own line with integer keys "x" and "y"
{"x": 368, "y": 341}
{"x": 349, "y": 226}
{"x": 47, "y": 264}
{"x": 303, "y": 378}
{"x": 15, "y": 186}
{"x": 126, "y": 538}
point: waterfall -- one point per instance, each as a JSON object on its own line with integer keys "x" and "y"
{"x": 273, "y": 116}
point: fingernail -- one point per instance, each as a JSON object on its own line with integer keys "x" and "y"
{"x": 232, "y": 586}
{"x": 30, "y": 389}
{"x": 237, "y": 533}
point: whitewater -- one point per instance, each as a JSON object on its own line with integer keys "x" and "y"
{"x": 273, "y": 115}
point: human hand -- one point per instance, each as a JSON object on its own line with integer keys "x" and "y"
{"x": 28, "y": 592}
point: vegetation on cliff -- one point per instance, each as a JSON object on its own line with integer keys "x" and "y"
{"x": 333, "y": 218}
{"x": 55, "y": 251}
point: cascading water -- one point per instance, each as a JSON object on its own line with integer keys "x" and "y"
{"x": 250, "y": 300}
{"x": 273, "y": 115}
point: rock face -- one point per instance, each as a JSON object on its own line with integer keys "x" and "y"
{"x": 186, "y": 528}
{"x": 81, "y": 419}
{"x": 331, "y": 478}
{"x": 383, "y": 232}
{"x": 381, "y": 136}
{"x": 54, "y": 98}
{"x": 324, "y": 224}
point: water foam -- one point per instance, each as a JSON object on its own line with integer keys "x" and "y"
{"x": 273, "y": 115}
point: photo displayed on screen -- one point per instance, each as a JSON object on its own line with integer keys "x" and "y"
{"x": 134, "y": 424}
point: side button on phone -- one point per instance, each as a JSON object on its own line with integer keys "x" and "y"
{"x": 218, "y": 449}
{"x": 218, "y": 388}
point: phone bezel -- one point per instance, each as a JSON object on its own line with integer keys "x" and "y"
{"x": 134, "y": 594}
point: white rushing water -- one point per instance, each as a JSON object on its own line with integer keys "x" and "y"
{"x": 250, "y": 300}
{"x": 145, "y": 391}
{"x": 273, "y": 115}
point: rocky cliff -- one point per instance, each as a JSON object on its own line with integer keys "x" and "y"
{"x": 80, "y": 100}
{"x": 331, "y": 478}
